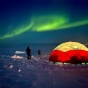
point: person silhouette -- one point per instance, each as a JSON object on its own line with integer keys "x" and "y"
{"x": 28, "y": 50}
{"x": 39, "y": 52}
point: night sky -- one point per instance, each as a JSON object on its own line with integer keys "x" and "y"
{"x": 43, "y": 21}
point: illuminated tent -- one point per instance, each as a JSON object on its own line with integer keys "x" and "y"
{"x": 71, "y": 52}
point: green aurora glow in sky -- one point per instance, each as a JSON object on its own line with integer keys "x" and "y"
{"x": 46, "y": 23}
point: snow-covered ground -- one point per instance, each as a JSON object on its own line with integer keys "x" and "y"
{"x": 40, "y": 73}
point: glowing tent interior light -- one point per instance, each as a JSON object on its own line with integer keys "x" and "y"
{"x": 71, "y": 46}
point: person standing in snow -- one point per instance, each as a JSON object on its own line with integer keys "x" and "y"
{"x": 28, "y": 51}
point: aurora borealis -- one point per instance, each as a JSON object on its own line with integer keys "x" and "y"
{"x": 41, "y": 24}
{"x": 17, "y": 31}
{"x": 48, "y": 19}
{"x": 56, "y": 23}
